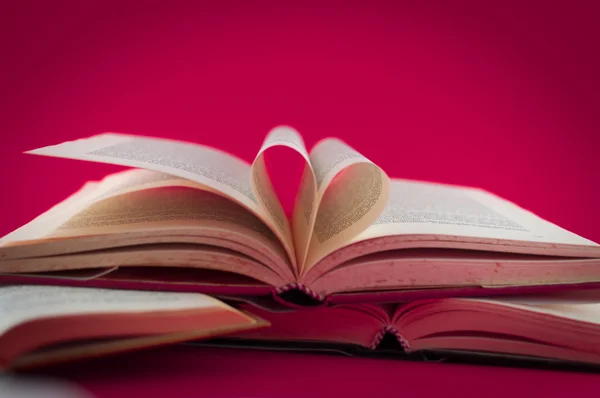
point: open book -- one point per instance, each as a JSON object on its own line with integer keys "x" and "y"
{"x": 190, "y": 217}
{"x": 48, "y": 324}
{"x": 559, "y": 329}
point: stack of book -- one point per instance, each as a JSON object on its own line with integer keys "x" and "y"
{"x": 191, "y": 243}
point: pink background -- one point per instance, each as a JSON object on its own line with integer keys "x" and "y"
{"x": 210, "y": 372}
{"x": 500, "y": 96}
{"x": 503, "y": 97}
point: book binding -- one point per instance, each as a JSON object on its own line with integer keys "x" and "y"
{"x": 389, "y": 329}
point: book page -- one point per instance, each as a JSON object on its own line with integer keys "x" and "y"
{"x": 132, "y": 180}
{"x": 168, "y": 207}
{"x": 209, "y": 167}
{"x": 305, "y": 212}
{"x": 156, "y": 204}
{"x": 112, "y": 185}
{"x": 281, "y": 136}
{"x": 423, "y": 208}
{"x": 574, "y": 309}
{"x": 20, "y": 304}
{"x": 124, "y": 199}
{"x": 351, "y": 193}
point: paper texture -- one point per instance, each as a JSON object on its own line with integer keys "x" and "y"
{"x": 281, "y": 136}
{"x": 304, "y": 207}
{"x": 167, "y": 207}
{"x": 417, "y": 208}
{"x": 341, "y": 193}
{"x": 212, "y": 169}
{"x": 351, "y": 192}
{"x": 112, "y": 185}
{"x": 204, "y": 165}
{"x": 19, "y": 304}
{"x": 569, "y": 308}
{"x": 122, "y": 202}
{"x": 139, "y": 179}
{"x": 325, "y": 215}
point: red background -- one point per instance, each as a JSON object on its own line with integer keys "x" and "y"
{"x": 502, "y": 95}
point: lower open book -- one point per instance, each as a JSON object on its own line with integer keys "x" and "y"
{"x": 43, "y": 325}
{"x": 548, "y": 331}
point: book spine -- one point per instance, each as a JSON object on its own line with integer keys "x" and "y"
{"x": 299, "y": 286}
{"x": 393, "y": 331}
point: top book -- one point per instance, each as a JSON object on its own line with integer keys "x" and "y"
{"x": 189, "y": 217}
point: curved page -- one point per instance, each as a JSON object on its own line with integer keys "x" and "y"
{"x": 264, "y": 191}
{"x": 351, "y": 192}
{"x": 424, "y": 208}
{"x": 146, "y": 203}
{"x": 24, "y": 303}
{"x": 422, "y": 214}
{"x": 212, "y": 168}
{"x": 341, "y": 193}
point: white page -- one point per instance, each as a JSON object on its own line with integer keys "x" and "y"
{"x": 207, "y": 166}
{"x": 419, "y": 208}
{"x": 19, "y": 304}
{"x": 214, "y": 169}
{"x": 575, "y": 309}
{"x": 279, "y": 137}
{"x": 351, "y": 193}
